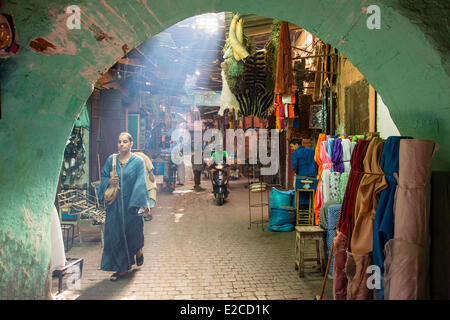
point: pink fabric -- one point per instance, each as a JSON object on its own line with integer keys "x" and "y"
{"x": 407, "y": 255}
{"x": 357, "y": 276}
{"x": 326, "y": 161}
{"x": 327, "y": 164}
{"x": 340, "y": 258}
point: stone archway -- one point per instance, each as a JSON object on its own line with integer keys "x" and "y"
{"x": 52, "y": 76}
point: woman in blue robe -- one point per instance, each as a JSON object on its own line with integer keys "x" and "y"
{"x": 124, "y": 225}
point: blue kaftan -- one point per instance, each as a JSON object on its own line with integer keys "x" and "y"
{"x": 124, "y": 226}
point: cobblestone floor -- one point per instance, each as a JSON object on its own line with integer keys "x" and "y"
{"x": 195, "y": 249}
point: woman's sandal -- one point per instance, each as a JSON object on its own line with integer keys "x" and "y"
{"x": 140, "y": 260}
{"x": 117, "y": 275}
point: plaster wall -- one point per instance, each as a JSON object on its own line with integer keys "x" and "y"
{"x": 385, "y": 126}
{"x": 45, "y": 85}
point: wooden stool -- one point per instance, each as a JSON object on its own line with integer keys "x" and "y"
{"x": 312, "y": 233}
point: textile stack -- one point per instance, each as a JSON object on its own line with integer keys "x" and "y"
{"x": 407, "y": 254}
{"x": 379, "y": 217}
{"x": 333, "y": 159}
{"x": 284, "y": 109}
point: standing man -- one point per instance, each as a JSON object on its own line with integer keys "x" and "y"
{"x": 177, "y": 152}
{"x": 303, "y": 164}
{"x": 197, "y": 169}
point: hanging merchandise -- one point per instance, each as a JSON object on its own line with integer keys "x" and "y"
{"x": 341, "y": 240}
{"x": 333, "y": 216}
{"x": 236, "y": 39}
{"x": 326, "y": 66}
{"x": 227, "y": 98}
{"x": 343, "y": 180}
{"x": 283, "y": 73}
{"x": 245, "y": 72}
{"x": 361, "y": 237}
{"x": 271, "y": 121}
{"x": 330, "y": 142}
{"x": 74, "y": 158}
{"x": 383, "y": 229}
{"x": 337, "y": 156}
{"x": 326, "y": 165}
{"x": 318, "y": 80}
{"x": 407, "y": 254}
{"x": 346, "y": 154}
{"x": 335, "y": 179}
{"x": 317, "y": 158}
{"x": 323, "y": 119}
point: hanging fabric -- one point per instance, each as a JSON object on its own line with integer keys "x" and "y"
{"x": 291, "y": 111}
{"x": 342, "y": 234}
{"x": 372, "y": 183}
{"x": 343, "y": 180}
{"x": 327, "y": 166}
{"x": 352, "y": 186}
{"x": 323, "y": 119}
{"x": 283, "y": 74}
{"x": 337, "y": 156}
{"x": 407, "y": 254}
{"x": 317, "y": 158}
{"x": 330, "y": 142}
{"x": 335, "y": 178}
{"x": 383, "y": 229}
{"x": 361, "y": 237}
{"x": 346, "y": 153}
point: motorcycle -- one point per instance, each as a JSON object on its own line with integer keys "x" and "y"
{"x": 220, "y": 185}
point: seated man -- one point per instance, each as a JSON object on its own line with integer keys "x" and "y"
{"x": 216, "y": 160}
{"x": 303, "y": 164}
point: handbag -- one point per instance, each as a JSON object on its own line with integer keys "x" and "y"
{"x": 112, "y": 191}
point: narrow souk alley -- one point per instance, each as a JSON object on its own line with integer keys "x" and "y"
{"x": 195, "y": 249}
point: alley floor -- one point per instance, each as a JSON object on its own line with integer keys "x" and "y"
{"x": 195, "y": 249}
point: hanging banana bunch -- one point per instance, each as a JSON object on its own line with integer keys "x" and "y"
{"x": 236, "y": 36}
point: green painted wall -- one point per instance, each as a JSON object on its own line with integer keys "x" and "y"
{"x": 406, "y": 62}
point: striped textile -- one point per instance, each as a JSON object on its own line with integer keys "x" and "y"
{"x": 253, "y": 98}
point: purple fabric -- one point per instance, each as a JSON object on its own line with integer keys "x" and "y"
{"x": 338, "y": 165}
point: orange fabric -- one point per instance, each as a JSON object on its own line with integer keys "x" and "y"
{"x": 367, "y": 199}
{"x": 291, "y": 111}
